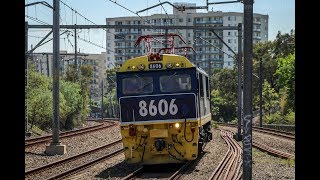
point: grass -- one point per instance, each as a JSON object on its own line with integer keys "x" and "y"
{"x": 261, "y": 157}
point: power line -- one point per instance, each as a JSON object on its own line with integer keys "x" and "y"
{"x": 146, "y": 21}
{"x": 90, "y": 42}
{"x": 215, "y": 47}
{"x": 36, "y": 20}
{"x": 77, "y": 12}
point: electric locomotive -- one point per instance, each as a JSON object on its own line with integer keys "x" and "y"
{"x": 164, "y": 102}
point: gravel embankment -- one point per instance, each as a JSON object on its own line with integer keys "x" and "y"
{"x": 35, "y": 156}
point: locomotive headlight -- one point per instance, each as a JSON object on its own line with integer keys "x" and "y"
{"x": 177, "y": 125}
{"x": 177, "y": 64}
{"x": 133, "y": 67}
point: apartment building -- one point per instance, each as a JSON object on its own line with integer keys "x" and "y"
{"x": 120, "y": 42}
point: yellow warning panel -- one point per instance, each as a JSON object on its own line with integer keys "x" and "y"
{"x": 159, "y": 133}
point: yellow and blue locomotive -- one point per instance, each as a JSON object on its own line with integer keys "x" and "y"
{"x": 164, "y": 104}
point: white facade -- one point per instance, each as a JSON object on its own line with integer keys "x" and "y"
{"x": 120, "y": 42}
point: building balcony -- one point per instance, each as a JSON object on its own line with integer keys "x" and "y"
{"x": 124, "y": 40}
{"x": 128, "y": 54}
{"x": 207, "y": 44}
{"x": 209, "y": 22}
{"x": 257, "y": 37}
{"x": 128, "y": 32}
{"x": 256, "y": 22}
{"x": 257, "y": 30}
{"x": 208, "y": 52}
{"x": 127, "y": 47}
{"x": 209, "y": 59}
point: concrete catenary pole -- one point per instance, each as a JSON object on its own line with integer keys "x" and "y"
{"x": 27, "y": 133}
{"x": 247, "y": 94}
{"x": 238, "y": 135}
{"x": 55, "y": 146}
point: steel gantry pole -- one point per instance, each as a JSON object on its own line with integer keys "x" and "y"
{"x": 247, "y": 94}
{"x": 260, "y": 90}
{"x": 101, "y": 100}
{"x": 238, "y": 135}
{"x": 56, "y": 147}
{"x": 47, "y": 56}
{"x": 75, "y": 50}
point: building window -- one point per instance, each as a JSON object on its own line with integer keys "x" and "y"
{"x": 235, "y": 18}
{"x": 229, "y": 40}
{"x": 108, "y": 44}
{"x": 235, "y": 33}
{"x": 229, "y": 24}
{"x": 108, "y": 58}
{"x": 180, "y": 20}
{"x": 189, "y": 35}
{"x": 235, "y": 41}
{"x": 189, "y": 20}
{"x": 198, "y": 19}
{"x": 229, "y": 64}
{"x": 229, "y": 18}
{"x": 229, "y": 33}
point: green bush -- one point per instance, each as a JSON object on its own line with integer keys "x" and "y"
{"x": 279, "y": 118}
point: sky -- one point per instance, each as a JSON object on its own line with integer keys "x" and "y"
{"x": 281, "y": 18}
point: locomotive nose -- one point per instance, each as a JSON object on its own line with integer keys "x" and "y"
{"x": 160, "y": 144}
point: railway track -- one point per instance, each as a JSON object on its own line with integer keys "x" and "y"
{"x": 283, "y": 134}
{"x": 272, "y": 151}
{"x": 53, "y": 168}
{"x": 172, "y": 173}
{"x": 43, "y": 139}
{"x": 230, "y": 166}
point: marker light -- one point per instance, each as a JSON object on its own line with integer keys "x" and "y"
{"x": 177, "y": 125}
{"x": 141, "y": 67}
{"x": 177, "y": 65}
{"x": 133, "y": 67}
{"x": 169, "y": 65}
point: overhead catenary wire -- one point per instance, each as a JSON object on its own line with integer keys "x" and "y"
{"x": 77, "y": 12}
{"x": 216, "y": 47}
{"x": 92, "y": 43}
{"x": 36, "y": 20}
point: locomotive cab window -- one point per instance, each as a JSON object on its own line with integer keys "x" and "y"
{"x": 175, "y": 83}
{"x": 137, "y": 85}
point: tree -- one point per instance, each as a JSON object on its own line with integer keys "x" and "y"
{"x": 224, "y": 94}
{"x": 270, "y": 98}
{"x": 71, "y": 92}
{"x": 286, "y": 80}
